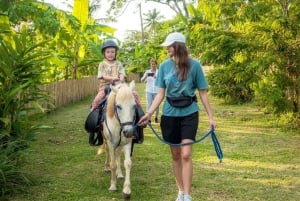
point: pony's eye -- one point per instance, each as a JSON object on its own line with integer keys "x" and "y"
{"x": 119, "y": 107}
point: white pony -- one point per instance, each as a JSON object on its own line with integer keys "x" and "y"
{"x": 118, "y": 130}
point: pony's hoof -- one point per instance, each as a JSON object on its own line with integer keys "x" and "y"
{"x": 107, "y": 170}
{"x": 126, "y": 196}
{"x": 112, "y": 190}
{"x": 120, "y": 177}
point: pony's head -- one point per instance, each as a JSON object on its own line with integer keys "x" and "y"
{"x": 121, "y": 105}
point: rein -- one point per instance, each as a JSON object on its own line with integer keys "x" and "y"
{"x": 210, "y": 132}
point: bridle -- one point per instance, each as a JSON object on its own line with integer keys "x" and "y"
{"x": 122, "y": 124}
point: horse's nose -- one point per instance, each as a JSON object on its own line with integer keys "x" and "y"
{"x": 128, "y": 132}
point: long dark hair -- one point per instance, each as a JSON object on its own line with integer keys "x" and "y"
{"x": 181, "y": 55}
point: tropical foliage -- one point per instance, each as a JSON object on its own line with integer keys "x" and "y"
{"x": 38, "y": 44}
{"x": 253, "y": 48}
{"x": 22, "y": 70}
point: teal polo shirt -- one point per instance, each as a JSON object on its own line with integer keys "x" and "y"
{"x": 167, "y": 79}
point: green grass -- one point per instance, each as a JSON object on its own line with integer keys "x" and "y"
{"x": 261, "y": 161}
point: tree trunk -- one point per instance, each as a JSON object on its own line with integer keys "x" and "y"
{"x": 142, "y": 26}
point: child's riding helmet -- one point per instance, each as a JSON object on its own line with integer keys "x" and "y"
{"x": 109, "y": 43}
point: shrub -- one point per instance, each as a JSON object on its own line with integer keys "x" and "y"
{"x": 21, "y": 73}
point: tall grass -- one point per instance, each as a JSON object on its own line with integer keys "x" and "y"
{"x": 261, "y": 160}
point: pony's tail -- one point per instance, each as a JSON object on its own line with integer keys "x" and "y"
{"x": 101, "y": 149}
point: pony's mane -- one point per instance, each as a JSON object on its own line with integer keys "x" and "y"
{"x": 110, "y": 104}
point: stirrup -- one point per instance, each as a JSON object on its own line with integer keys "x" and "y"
{"x": 95, "y": 140}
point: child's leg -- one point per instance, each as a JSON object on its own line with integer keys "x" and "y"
{"x": 137, "y": 99}
{"x": 100, "y": 96}
{"x": 140, "y": 133}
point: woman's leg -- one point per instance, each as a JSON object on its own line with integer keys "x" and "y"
{"x": 177, "y": 166}
{"x": 149, "y": 99}
{"x": 187, "y": 167}
{"x": 183, "y": 166}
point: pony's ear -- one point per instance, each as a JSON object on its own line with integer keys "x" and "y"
{"x": 115, "y": 88}
{"x": 132, "y": 85}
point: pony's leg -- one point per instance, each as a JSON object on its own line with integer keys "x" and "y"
{"x": 107, "y": 160}
{"x": 113, "y": 167}
{"x": 118, "y": 161}
{"x": 127, "y": 165}
{"x": 104, "y": 148}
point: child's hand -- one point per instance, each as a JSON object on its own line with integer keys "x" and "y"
{"x": 114, "y": 81}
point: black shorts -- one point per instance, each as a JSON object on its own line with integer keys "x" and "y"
{"x": 175, "y": 129}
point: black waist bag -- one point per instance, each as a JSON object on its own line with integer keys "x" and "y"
{"x": 182, "y": 101}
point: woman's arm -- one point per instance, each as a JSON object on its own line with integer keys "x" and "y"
{"x": 143, "y": 79}
{"x": 205, "y": 101}
{"x": 155, "y": 104}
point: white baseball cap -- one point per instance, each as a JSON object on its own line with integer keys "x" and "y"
{"x": 172, "y": 38}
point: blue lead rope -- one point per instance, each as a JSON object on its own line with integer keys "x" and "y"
{"x": 210, "y": 132}
{"x": 216, "y": 145}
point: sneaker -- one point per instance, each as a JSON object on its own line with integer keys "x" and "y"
{"x": 180, "y": 196}
{"x": 187, "y": 198}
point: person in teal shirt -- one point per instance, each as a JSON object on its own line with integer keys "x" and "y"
{"x": 174, "y": 87}
{"x": 178, "y": 79}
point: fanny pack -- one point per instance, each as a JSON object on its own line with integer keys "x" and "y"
{"x": 182, "y": 101}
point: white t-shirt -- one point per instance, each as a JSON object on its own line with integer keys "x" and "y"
{"x": 150, "y": 82}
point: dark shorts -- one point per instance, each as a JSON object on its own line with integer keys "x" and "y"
{"x": 174, "y": 129}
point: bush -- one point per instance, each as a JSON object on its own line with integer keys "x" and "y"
{"x": 224, "y": 83}
{"x": 20, "y": 76}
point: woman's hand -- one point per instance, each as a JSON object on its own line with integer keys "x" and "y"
{"x": 144, "y": 120}
{"x": 212, "y": 124}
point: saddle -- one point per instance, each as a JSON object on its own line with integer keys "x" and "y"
{"x": 93, "y": 124}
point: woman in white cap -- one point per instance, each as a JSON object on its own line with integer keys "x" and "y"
{"x": 179, "y": 77}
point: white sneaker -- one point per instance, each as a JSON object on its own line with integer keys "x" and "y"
{"x": 187, "y": 198}
{"x": 180, "y": 196}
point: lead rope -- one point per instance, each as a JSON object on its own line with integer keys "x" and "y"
{"x": 210, "y": 132}
{"x": 216, "y": 145}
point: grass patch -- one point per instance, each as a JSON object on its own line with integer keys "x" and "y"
{"x": 261, "y": 160}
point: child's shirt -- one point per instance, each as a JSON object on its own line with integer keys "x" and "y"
{"x": 110, "y": 69}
